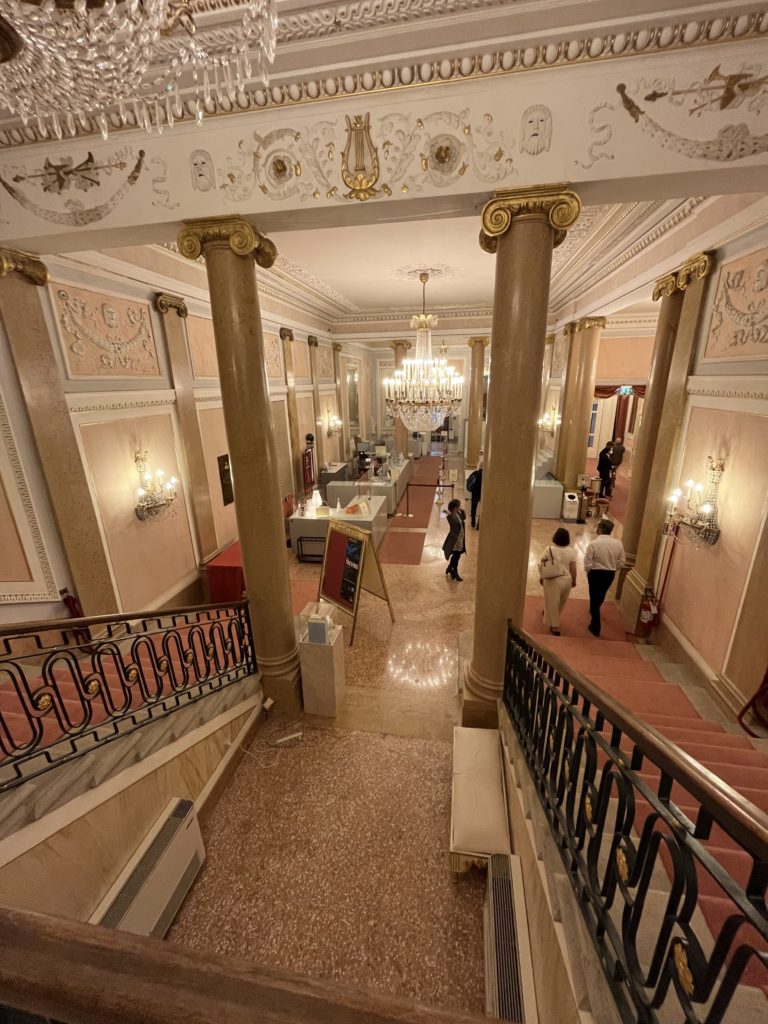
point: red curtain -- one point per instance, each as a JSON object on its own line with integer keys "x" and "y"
{"x": 609, "y": 390}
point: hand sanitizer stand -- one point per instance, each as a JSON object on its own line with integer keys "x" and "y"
{"x": 322, "y": 671}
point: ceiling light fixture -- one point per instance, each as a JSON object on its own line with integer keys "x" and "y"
{"x": 65, "y": 63}
{"x": 425, "y": 390}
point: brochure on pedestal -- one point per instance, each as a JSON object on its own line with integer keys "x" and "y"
{"x": 350, "y": 565}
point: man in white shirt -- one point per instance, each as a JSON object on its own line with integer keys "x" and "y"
{"x": 604, "y": 555}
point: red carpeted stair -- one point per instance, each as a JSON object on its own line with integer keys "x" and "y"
{"x": 616, "y": 666}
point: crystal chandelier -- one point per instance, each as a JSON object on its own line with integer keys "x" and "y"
{"x": 425, "y": 390}
{"x": 69, "y": 64}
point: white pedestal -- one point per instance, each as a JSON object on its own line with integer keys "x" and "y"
{"x": 322, "y": 674}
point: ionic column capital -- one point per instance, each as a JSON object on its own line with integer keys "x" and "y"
{"x": 312, "y": 340}
{"x": 480, "y": 339}
{"x": 694, "y": 269}
{"x": 401, "y": 343}
{"x": 236, "y": 232}
{"x": 286, "y": 334}
{"x": 165, "y": 302}
{"x": 549, "y": 340}
{"x": 24, "y": 263}
{"x": 336, "y": 346}
{"x": 588, "y": 322}
{"x": 570, "y": 328}
{"x": 557, "y": 203}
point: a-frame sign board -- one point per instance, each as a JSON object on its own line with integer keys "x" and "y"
{"x": 350, "y": 565}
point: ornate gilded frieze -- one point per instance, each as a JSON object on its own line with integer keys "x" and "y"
{"x": 14, "y": 262}
{"x": 738, "y": 327}
{"x": 164, "y": 303}
{"x": 557, "y": 203}
{"x": 241, "y": 236}
{"x": 694, "y": 269}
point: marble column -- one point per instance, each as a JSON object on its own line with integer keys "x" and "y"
{"x": 570, "y": 387}
{"x": 642, "y": 457}
{"x": 173, "y": 310}
{"x": 320, "y": 425}
{"x": 296, "y": 441}
{"x": 400, "y": 348}
{"x": 478, "y": 346}
{"x": 32, "y": 350}
{"x": 690, "y": 284}
{"x": 341, "y": 383}
{"x": 590, "y": 329}
{"x": 230, "y": 246}
{"x": 521, "y": 226}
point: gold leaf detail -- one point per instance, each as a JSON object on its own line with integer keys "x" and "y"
{"x": 621, "y": 864}
{"x": 163, "y": 666}
{"x": 684, "y": 973}
{"x": 133, "y": 675}
{"x": 210, "y": 650}
{"x": 93, "y": 686}
{"x": 189, "y": 657}
{"x": 588, "y": 808}
{"x": 44, "y": 702}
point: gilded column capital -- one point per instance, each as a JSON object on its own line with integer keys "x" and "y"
{"x": 286, "y": 334}
{"x": 570, "y": 328}
{"x": 694, "y": 269}
{"x": 24, "y": 263}
{"x": 336, "y": 346}
{"x": 312, "y": 340}
{"x": 480, "y": 339}
{"x": 557, "y": 203}
{"x": 236, "y": 232}
{"x": 549, "y": 340}
{"x": 588, "y": 322}
{"x": 165, "y": 302}
{"x": 401, "y": 343}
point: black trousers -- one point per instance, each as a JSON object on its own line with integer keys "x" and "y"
{"x": 599, "y": 581}
{"x": 606, "y": 486}
{"x": 453, "y": 562}
{"x": 475, "y": 501}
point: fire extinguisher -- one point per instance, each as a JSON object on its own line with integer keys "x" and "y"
{"x": 649, "y": 614}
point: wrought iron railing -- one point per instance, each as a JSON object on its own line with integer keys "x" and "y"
{"x": 70, "y": 685}
{"x": 644, "y": 832}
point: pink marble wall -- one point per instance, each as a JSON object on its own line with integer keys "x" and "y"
{"x": 14, "y": 567}
{"x": 305, "y": 410}
{"x": 148, "y": 558}
{"x": 202, "y": 347}
{"x": 624, "y": 359}
{"x": 215, "y": 444}
{"x": 706, "y": 583}
{"x": 738, "y": 325}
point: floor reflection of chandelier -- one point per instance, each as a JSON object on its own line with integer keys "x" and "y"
{"x": 65, "y": 65}
{"x": 425, "y": 390}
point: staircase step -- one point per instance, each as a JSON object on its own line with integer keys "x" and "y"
{"x": 640, "y": 696}
{"x": 661, "y": 722}
{"x": 620, "y": 668}
{"x": 567, "y": 646}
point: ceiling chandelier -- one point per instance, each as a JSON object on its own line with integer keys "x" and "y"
{"x": 70, "y": 65}
{"x": 425, "y": 390}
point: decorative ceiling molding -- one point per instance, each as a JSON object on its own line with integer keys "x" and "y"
{"x": 747, "y": 387}
{"x": 404, "y": 316}
{"x": 298, "y": 273}
{"x": 104, "y": 402}
{"x": 631, "y": 325}
{"x": 559, "y": 53}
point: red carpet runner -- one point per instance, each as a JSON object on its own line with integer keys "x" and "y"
{"x": 404, "y": 540}
{"x": 616, "y": 667}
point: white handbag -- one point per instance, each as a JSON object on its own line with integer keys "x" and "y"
{"x": 549, "y": 569}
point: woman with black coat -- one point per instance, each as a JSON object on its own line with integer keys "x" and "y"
{"x": 453, "y": 545}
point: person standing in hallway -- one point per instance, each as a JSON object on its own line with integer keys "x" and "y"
{"x": 475, "y": 488}
{"x": 453, "y": 545}
{"x": 604, "y": 555}
{"x": 617, "y": 457}
{"x": 604, "y": 470}
{"x": 562, "y": 556}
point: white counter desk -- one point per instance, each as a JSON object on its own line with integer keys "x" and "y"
{"x": 308, "y": 532}
{"x": 392, "y": 490}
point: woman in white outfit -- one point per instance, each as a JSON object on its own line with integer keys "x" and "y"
{"x": 557, "y": 574}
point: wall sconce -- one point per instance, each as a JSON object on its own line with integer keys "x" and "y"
{"x": 550, "y": 421}
{"x": 333, "y": 422}
{"x": 692, "y": 513}
{"x": 155, "y": 493}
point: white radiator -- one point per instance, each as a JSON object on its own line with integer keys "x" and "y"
{"x": 510, "y": 993}
{"x": 145, "y": 898}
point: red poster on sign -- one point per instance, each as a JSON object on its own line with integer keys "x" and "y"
{"x": 308, "y": 470}
{"x": 341, "y": 570}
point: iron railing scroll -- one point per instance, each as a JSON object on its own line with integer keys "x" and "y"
{"x": 69, "y": 686}
{"x": 645, "y": 833}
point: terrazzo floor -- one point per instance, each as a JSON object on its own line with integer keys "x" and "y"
{"x": 331, "y": 860}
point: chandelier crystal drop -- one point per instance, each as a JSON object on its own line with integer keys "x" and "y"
{"x": 425, "y": 390}
{"x": 68, "y": 64}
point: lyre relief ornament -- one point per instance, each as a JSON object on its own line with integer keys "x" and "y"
{"x": 360, "y": 160}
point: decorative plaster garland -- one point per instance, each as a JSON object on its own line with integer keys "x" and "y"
{"x": 564, "y": 53}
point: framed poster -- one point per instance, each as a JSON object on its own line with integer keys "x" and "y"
{"x": 350, "y": 565}
{"x": 308, "y": 470}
